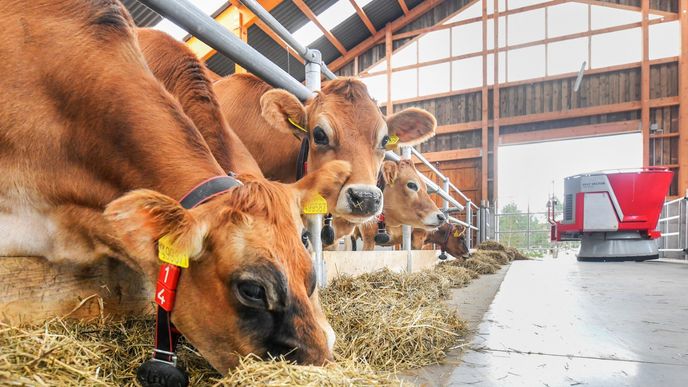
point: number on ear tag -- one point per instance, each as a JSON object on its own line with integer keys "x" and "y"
{"x": 392, "y": 142}
{"x": 456, "y": 234}
{"x": 317, "y": 205}
{"x": 168, "y": 254}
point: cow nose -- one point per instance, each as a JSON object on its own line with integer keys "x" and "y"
{"x": 441, "y": 218}
{"x": 364, "y": 201}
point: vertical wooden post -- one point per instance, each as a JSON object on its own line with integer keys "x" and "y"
{"x": 388, "y": 57}
{"x": 495, "y": 103}
{"x": 241, "y": 32}
{"x": 683, "y": 100}
{"x": 485, "y": 164}
{"x": 589, "y": 37}
{"x": 645, "y": 82}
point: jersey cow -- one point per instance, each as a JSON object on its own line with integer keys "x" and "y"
{"x": 406, "y": 202}
{"x": 341, "y": 122}
{"x": 95, "y": 154}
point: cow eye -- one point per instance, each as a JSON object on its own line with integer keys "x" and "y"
{"x": 319, "y": 136}
{"x": 412, "y": 186}
{"x": 384, "y": 142}
{"x": 252, "y": 292}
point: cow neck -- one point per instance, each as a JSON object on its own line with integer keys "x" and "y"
{"x": 164, "y": 361}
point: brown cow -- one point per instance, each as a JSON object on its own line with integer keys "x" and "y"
{"x": 187, "y": 78}
{"x": 450, "y": 238}
{"x": 341, "y": 122}
{"x": 406, "y": 202}
{"x": 82, "y": 122}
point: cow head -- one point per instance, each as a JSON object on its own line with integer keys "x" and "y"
{"x": 342, "y": 122}
{"x": 406, "y": 197}
{"x": 250, "y": 286}
{"x": 452, "y": 238}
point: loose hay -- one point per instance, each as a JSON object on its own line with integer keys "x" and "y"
{"x": 254, "y": 372}
{"x": 457, "y": 276}
{"x": 392, "y": 321}
{"x": 385, "y": 322}
{"x": 491, "y": 245}
{"x": 515, "y": 255}
{"x": 480, "y": 266}
{"x": 499, "y": 257}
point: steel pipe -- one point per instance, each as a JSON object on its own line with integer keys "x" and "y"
{"x": 309, "y": 55}
{"x": 193, "y": 20}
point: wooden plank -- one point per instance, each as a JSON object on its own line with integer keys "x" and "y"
{"x": 364, "y": 18}
{"x": 683, "y": 99}
{"x": 461, "y": 127}
{"x": 314, "y": 18}
{"x": 624, "y": 7}
{"x": 32, "y": 290}
{"x": 568, "y": 133}
{"x": 404, "y": 7}
{"x": 495, "y": 103}
{"x": 454, "y": 154}
{"x": 574, "y": 113}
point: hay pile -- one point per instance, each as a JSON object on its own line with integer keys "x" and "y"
{"x": 385, "y": 322}
{"x": 515, "y": 255}
{"x": 491, "y": 245}
{"x": 393, "y": 321}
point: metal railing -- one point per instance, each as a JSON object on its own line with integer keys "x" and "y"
{"x": 528, "y": 231}
{"x": 673, "y": 224}
{"x": 189, "y": 17}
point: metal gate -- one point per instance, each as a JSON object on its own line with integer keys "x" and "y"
{"x": 673, "y": 224}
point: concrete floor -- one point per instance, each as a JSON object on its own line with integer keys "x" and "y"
{"x": 559, "y": 322}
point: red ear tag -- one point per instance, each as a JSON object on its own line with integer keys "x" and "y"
{"x": 166, "y": 287}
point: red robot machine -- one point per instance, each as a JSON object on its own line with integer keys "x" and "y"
{"x": 613, "y": 213}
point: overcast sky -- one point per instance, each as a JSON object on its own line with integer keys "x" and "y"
{"x": 526, "y": 172}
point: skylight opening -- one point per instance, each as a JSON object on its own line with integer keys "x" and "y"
{"x": 208, "y": 7}
{"x": 308, "y": 33}
{"x": 336, "y": 13}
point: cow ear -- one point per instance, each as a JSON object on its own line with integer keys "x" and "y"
{"x": 140, "y": 218}
{"x": 412, "y": 126}
{"x": 390, "y": 171}
{"x": 326, "y": 181}
{"x": 284, "y": 112}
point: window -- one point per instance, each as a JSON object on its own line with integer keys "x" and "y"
{"x": 433, "y": 45}
{"x": 467, "y": 73}
{"x": 665, "y": 40}
{"x": 377, "y": 87}
{"x": 526, "y": 63}
{"x": 566, "y": 56}
{"x": 404, "y": 84}
{"x": 467, "y": 38}
{"x": 526, "y": 27}
{"x": 567, "y": 18}
{"x": 616, "y": 48}
{"x": 434, "y": 79}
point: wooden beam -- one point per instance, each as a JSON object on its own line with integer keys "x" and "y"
{"x": 570, "y": 133}
{"x": 461, "y": 127}
{"x": 484, "y": 167}
{"x": 404, "y": 7}
{"x": 683, "y": 101}
{"x": 228, "y": 18}
{"x": 364, "y": 18}
{"x": 645, "y": 81}
{"x": 314, "y": 18}
{"x": 414, "y": 14}
{"x": 450, "y": 155}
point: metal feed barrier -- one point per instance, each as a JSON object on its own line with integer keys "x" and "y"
{"x": 206, "y": 29}
{"x": 673, "y": 224}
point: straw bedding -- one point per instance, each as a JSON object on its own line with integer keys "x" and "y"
{"x": 385, "y": 322}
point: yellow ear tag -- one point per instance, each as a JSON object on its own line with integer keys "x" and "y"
{"x": 168, "y": 254}
{"x": 456, "y": 234}
{"x": 317, "y": 205}
{"x": 392, "y": 142}
{"x": 297, "y": 126}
